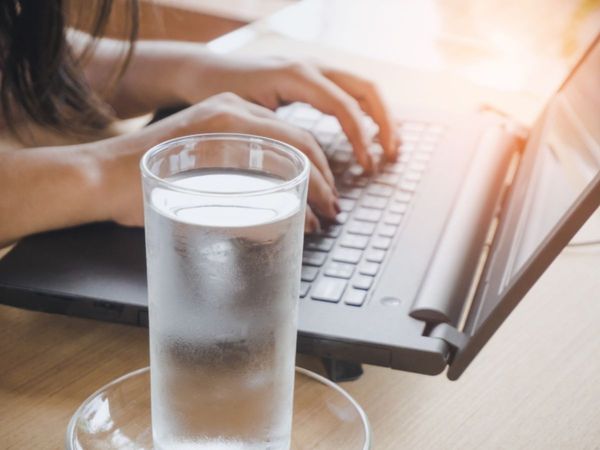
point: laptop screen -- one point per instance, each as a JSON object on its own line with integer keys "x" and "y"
{"x": 568, "y": 158}
{"x": 556, "y": 190}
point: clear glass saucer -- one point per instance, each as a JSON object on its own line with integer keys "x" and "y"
{"x": 117, "y": 416}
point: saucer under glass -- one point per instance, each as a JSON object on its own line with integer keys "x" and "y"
{"x": 117, "y": 416}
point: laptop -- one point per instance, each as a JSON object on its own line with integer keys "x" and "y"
{"x": 428, "y": 257}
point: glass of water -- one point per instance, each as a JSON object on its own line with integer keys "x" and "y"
{"x": 224, "y": 218}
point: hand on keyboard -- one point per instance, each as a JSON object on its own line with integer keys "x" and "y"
{"x": 341, "y": 263}
{"x": 266, "y": 84}
{"x": 275, "y": 82}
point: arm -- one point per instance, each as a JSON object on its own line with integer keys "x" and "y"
{"x": 167, "y": 73}
{"x": 160, "y": 73}
{"x": 49, "y": 188}
{"x": 153, "y": 78}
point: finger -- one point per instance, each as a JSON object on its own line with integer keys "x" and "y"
{"x": 371, "y": 101}
{"x": 307, "y": 143}
{"x": 304, "y": 141}
{"x": 320, "y": 194}
{"x": 312, "y": 87}
{"x": 375, "y": 107}
{"x": 311, "y": 222}
{"x": 259, "y": 110}
{"x": 298, "y": 138}
{"x": 239, "y": 103}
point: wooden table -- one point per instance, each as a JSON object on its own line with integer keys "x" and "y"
{"x": 535, "y": 385}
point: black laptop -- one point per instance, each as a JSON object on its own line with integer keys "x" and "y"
{"x": 426, "y": 260}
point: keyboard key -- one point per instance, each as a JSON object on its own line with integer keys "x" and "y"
{"x": 348, "y": 255}
{"x": 304, "y": 288}
{"x": 328, "y": 124}
{"x": 341, "y": 156}
{"x": 380, "y": 242}
{"x": 362, "y": 282}
{"x": 316, "y": 259}
{"x": 417, "y": 166}
{"x": 318, "y": 243}
{"x": 368, "y": 215}
{"x": 285, "y": 111}
{"x": 380, "y": 190}
{"x": 332, "y": 230}
{"x": 355, "y": 297}
{"x": 368, "y": 268}
{"x": 409, "y": 136}
{"x": 409, "y": 186}
{"x": 427, "y": 149}
{"x": 355, "y": 241}
{"x": 309, "y": 273}
{"x": 356, "y": 171}
{"x": 428, "y": 139}
{"x": 435, "y": 128}
{"x": 398, "y": 208}
{"x": 341, "y": 218}
{"x": 410, "y": 125}
{"x": 397, "y": 168}
{"x": 347, "y": 204}
{"x": 329, "y": 289}
{"x": 345, "y": 146}
{"x": 359, "y": 182}
{"x": 393, "y": 219}
{"x": 305, "y": 112}
{"x": 387, "y": 230}
{"x": 303, "y": 123}
{"x": 422, "y": 157}
{"x": 370, "y": 201}
{"x": 325, "y": 139}
{"x": 350, "y": 192}
{"x": 375, "y": 255}
{"x": 403, "y": 197}
{"x": 364, "y": 228}
{"x": 390, "y": 179}
{"x": 375, "y": 149}
{"x": 406, "y": 148}
{"x": 412, "y": 176}
{"x": 339, "y": 270}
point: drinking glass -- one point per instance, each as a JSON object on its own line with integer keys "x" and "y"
{"x": 224, "y": 216}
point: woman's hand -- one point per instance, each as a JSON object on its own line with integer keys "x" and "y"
{"x": 168, "y": 73}
{"x": 273, "y": 83}
{"x": 221, "y": 113}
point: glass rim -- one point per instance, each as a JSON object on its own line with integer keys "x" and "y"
{"x": 239, "y": 137}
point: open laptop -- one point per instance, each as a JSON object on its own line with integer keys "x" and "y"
{"x": 428, "y": 258}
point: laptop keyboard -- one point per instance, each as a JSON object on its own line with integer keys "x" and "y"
{"x": 341, "y": 263}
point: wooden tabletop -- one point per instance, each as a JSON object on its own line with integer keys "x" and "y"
{"x": 535, "y": 385}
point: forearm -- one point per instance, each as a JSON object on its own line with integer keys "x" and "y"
{"x": 47, "y": 188}
{"x": 159, "y": 74}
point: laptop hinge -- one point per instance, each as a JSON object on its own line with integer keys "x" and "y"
{"x": 450, "y": 335}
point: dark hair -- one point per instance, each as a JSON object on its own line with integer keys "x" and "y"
{"x": 41, "y": 78}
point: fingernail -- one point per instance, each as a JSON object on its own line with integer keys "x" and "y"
{"x": 335, "y": 191}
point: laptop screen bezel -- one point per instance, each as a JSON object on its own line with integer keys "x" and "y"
{"x": 479, "y": 332}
